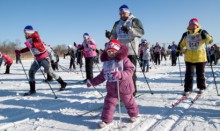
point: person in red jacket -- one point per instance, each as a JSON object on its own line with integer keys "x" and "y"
{"x": 8, "y": 62}
{"x": 37, "y": 48}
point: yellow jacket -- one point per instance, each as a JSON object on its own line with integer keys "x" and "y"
{"x": 194, "y": 42}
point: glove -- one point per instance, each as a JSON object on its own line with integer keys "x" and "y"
{"x": 17, "y": 52}
{"x": 28, "y": 44}
{"x": 117, "y": 75}
{"x": 107, "y": 34}
{"x": 125, "y": 29}
{"x": 177, "y": 54}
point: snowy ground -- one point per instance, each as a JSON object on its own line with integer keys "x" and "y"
{"x": 42, "y": 112}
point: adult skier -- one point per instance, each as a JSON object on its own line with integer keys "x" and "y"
{"x": 72, "y": 55}
{"x": 35, "y": 45}
{"x": 194, "y": 39}
{"x": 128, "y": 30}
{"x": 89, "y": 48}
{"x": 8, "y": 62}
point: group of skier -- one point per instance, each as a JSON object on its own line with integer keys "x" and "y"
{"x": 120, "y": 57}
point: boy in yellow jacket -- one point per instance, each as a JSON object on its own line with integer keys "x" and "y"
{"x": 194, "y": 41}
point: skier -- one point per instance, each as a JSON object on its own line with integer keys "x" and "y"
{"x": 128, "y": 30}
{"x": 194, "y": 39}
{"x": 157, "y": 53}
{"x": 115, "y": 57}
{"x": 163, "y": 54}
{"x": 140, "y": 50}
{"x": 53, "y": 60}
{"x": 79, "y": 55}
{"x": 18, "y": 58}
{"x": 36, "y": 46}
{"x": 146, "y": 56}
{"x": 173, "y": 49}
{"x": 89, "y": 48}
{"x": 8, "y": 62}
{"x": 72, "y": 55}
{"x": 212, "y": 55}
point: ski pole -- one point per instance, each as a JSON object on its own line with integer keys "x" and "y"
{"x": 97, "y": 66}
{"x": 88, "y": 81}
{"x": 213, "y": 73}
{"x": 66, "y": 69}
{"x": 140, "y": 66}
{"x": 180, "y": 71}
{"x": 24, "y": 70}
{"x": 119, "y": 100}
{"x": 55, "y": 96}
{"x": 81, "y": 72}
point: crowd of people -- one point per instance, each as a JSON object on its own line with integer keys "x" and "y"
{"x": 120, "y": 57}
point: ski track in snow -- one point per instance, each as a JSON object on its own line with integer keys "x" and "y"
{"x": 43, "y": 112}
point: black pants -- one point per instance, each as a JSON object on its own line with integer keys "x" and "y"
{"x": 133, "y": 60}
{"x": 212, "y": 57}
{"x": 89, "y": 67}
{"x": 200, "y": 76}
{"x": 72, "y": 63}
{"x": 7, "y": 71}
{"x": 173, "y": 60}
{"x": 157, "y": 59}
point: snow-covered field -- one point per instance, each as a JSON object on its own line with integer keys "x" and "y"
{"x": 42, "y": 112}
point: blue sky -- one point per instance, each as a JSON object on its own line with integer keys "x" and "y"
{"x": 65, "y": 21}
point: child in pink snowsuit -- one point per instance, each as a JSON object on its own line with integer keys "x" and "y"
{"x": 116, "y": 66}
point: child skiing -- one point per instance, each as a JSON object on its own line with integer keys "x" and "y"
{"x": 195, "y": 55}
{"x": 116, "y": 67}
{"x": 71, "y": 53}
{"x": 8, "y": 62}
{"x": 146, "y": 56}
{"x": 89, "y": 47}
{"x": 36, "y": 46}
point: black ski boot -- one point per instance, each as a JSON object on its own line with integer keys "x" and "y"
{"x": 32, "y": 89}
{"x": 62, "y": 83}
{"x": 49, "y": 78}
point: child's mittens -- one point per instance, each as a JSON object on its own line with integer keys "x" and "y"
{"x": 117, "y": 75}
{"x": 28, "y": 44}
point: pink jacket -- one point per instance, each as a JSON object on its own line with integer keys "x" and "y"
{"x": 89, "y": 48}
{"x": 126, "y": 83}
{"x": 8, "y": 60}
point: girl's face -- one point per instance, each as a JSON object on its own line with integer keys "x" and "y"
{"x": 111, "y": 53}
{"x": 192, "y": 27}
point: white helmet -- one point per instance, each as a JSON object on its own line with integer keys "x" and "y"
{"x": 70, "y": 46}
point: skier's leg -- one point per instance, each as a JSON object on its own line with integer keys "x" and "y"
{"x": 47, "y": 67}
{"x": 200, "y": 73}
{"x": 109, "y": 108}
{"x": 188, "y": 86}
{"x": 89, "y": 66}
{"x": 130, "y": 104}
